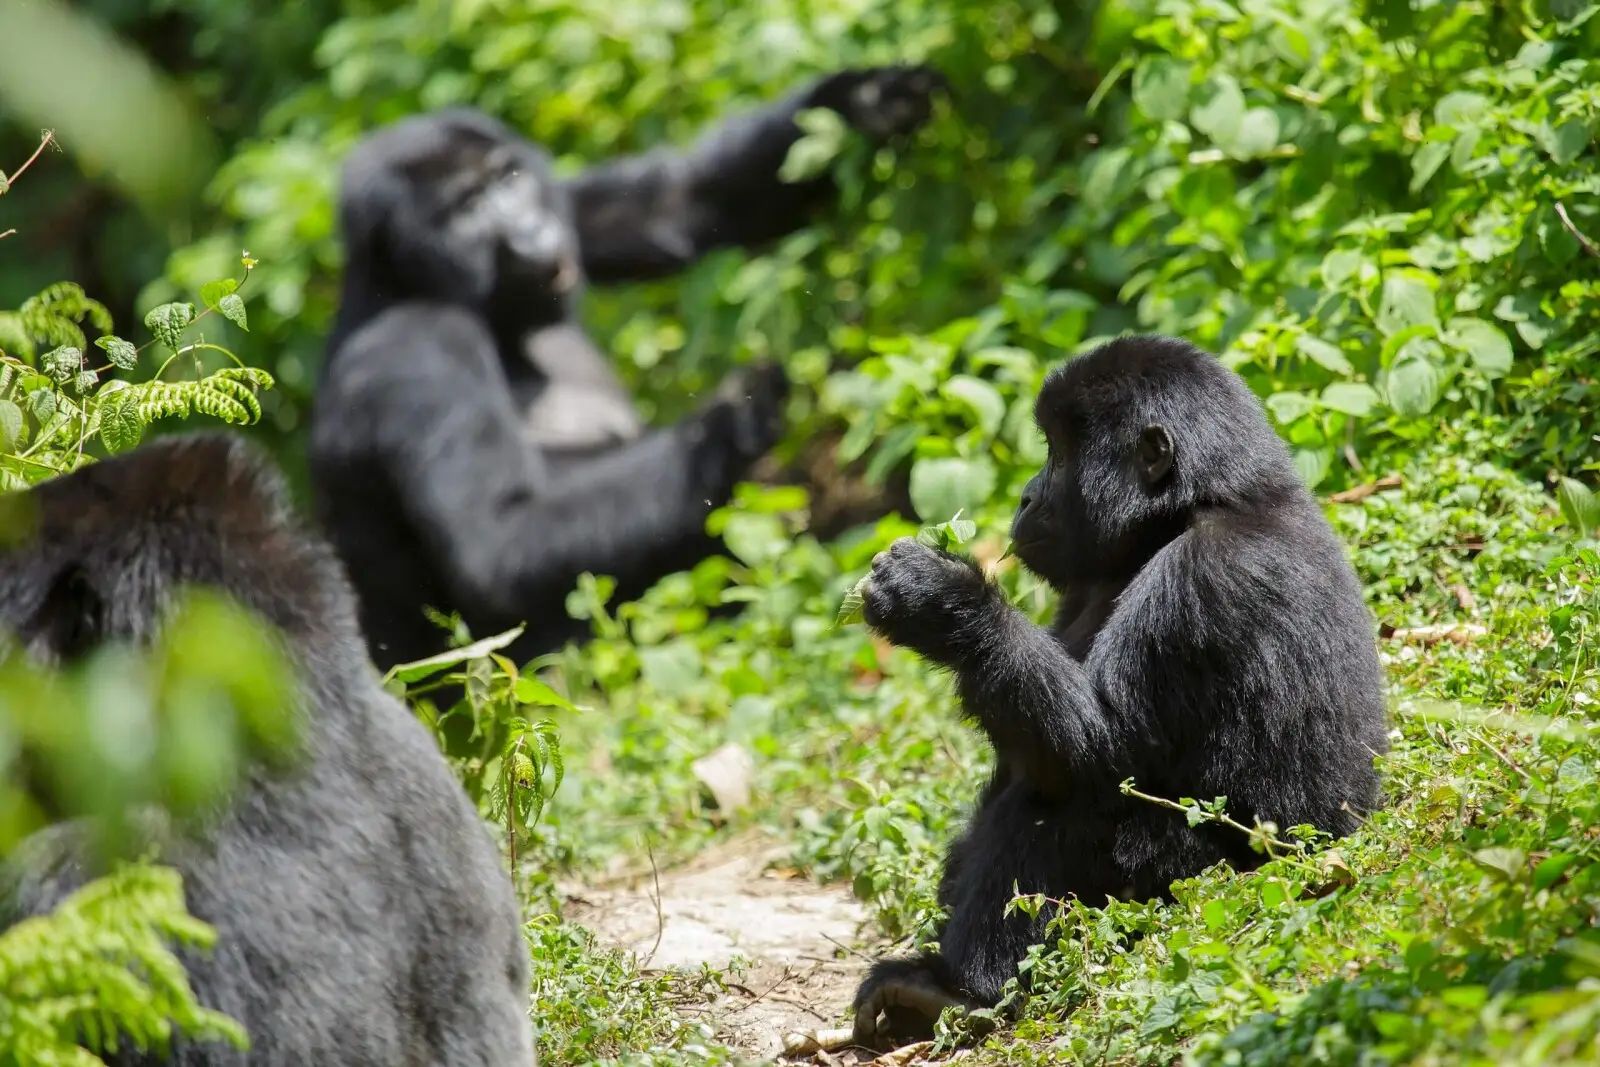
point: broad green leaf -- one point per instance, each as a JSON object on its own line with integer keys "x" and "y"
{"x": 1507, "y": 864}
{"x": 10, "y": 424}
{"x": 945, "y": 486}
{"x": 168, "y": 321}
{"x": 1566, "y": 142}
{"x": 1340, "y": 265}
{"x": 1257, "y": 134}
{"x": 422, "y": 668}
{"x": 1411, "y": 386}
{"x": 530, "y": 689}
{"x": 1312, "y": 464}
{"x": 232, "y": 309}
{"x": 851, "y": 606}
{"x": 983, "y": 398}
{"x": 85, "y": 381}
{"x": 819, "y": 145}
{"x": 211, "y": 293}
{"x": 1487, "y": 346}
{"x": 1352, "y": 398}
{"x": 1407, "y": 301}
{"x": 62, "y": 363}
{"x": 1427, "y": 161}
{"x": 1222, "y": 112}
{"x": 1580, "y": 505}
{"x": 1161, "y": 87}
{"x": 1323, "y": 353}
{"x": 1288, "y": 406}
{"x": 120, "y": 424}
{"x": 121, "y": 353}
{"x": 1460, "y": 109}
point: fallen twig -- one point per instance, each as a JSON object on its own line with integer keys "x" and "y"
{"x": 1582, "y": 238}
{"x": 1361, "y": 492}
{"x": 1457, "y": 633}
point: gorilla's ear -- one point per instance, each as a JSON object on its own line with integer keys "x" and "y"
{"x": 71, "y": 619}
{"x": 1156, "y": 454}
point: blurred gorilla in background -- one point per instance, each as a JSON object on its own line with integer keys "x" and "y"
{"x": 472, "y": 449}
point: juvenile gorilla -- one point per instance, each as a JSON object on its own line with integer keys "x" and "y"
{"x": 472, "y": 450}
{"x": 1210, "y": 640}
{"x": 362, "y": 912}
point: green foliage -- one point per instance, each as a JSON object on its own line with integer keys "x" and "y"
{"x": 54, "y": 404}
{"x": 97, "y": 975}
{"x": 511, "y": 766}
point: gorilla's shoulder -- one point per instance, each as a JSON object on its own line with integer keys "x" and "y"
{"x": 208, "y": 509}
{"x": 220, "y": 478}
{"x": 417, "y": 338}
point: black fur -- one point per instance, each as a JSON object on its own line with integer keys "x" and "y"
{"x": 1210, "y": 640}
{"x": 472, "y": 450}
{"x": 363, "y": 913}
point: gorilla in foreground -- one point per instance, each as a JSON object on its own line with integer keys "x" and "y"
{"x": 1210, "y": 640}
{"x": 472, "y": 449}
{"x": 362, "y": 912}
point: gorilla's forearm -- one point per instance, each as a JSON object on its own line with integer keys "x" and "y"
{"x": 650, "y": 215}
{"x": 1037, "y": 704}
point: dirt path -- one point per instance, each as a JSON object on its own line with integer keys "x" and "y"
{"x": 796, "y": 936}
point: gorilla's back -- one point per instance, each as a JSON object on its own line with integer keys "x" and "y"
{"x": 362, "y": 911}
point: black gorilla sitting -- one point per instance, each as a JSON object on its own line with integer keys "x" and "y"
{"x": 362, "y": 912}
{"x": 1211, "y": 640}
{"x": 471, "y": 448}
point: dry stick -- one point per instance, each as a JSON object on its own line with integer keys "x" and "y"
{"x": 661, "y": 922}
{"x": 49, "y": 136}
{"x": 1361, "y": 492}
{"x": 1583, "y": 239}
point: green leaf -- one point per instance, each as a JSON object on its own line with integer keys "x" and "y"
{"x": 62, "y": 363}
{"x": 1222, "y": 113}
{"x": 983, "y": 398}
{"x": 168, "y": 321}
{"x": 1566, "y": 142}
{"x": 1412, "y": 386}
{"x": 1485, "y": 343}
{"x": 1407, "y": 301}
{"x": 232, "y": 308}
{"x": 944, "y": 486}
{"x": 1460, "y": 109}
{"x": 422, "y": 668}
{"x": 211, "y": 293}
{"x": 819, "y": 145}
{"x": 1352, "y": 398}
{"x": 530, "y": 689}
{"x": 1580, "y": 505}
{"x": 1161, "y": 88}
{"x": 120, "y": 424}
{"x": 85, "y": 381}
{"x": 121, "y": 353}
{"x": 1427, "y": 161}
{"x": 1323, "y": 353}
{"x": 851, "y": 606}
{"x": 1340, "y": 265}
{"x": 1312, "y": 464}
{"x": 1507, "y": 864}
{"x": 10, "y": 425}
{"x": 1257, "y": 135}
{"x": 1289, "y": 406}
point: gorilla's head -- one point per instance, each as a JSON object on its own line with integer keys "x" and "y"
{"x": 1142, "y": 433}
{"x": 455, "y": 207}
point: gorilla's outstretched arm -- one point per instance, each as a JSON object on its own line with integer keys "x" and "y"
{"x": 512, "y": 525}
{"x": 650, "y": 215}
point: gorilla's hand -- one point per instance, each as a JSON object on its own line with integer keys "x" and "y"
{"x": 927, "y": 600}
{"x": 881, "y": 102}
{"x": 739, "y": 425}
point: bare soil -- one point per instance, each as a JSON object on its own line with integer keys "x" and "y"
{"x": 800, "y": 941}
